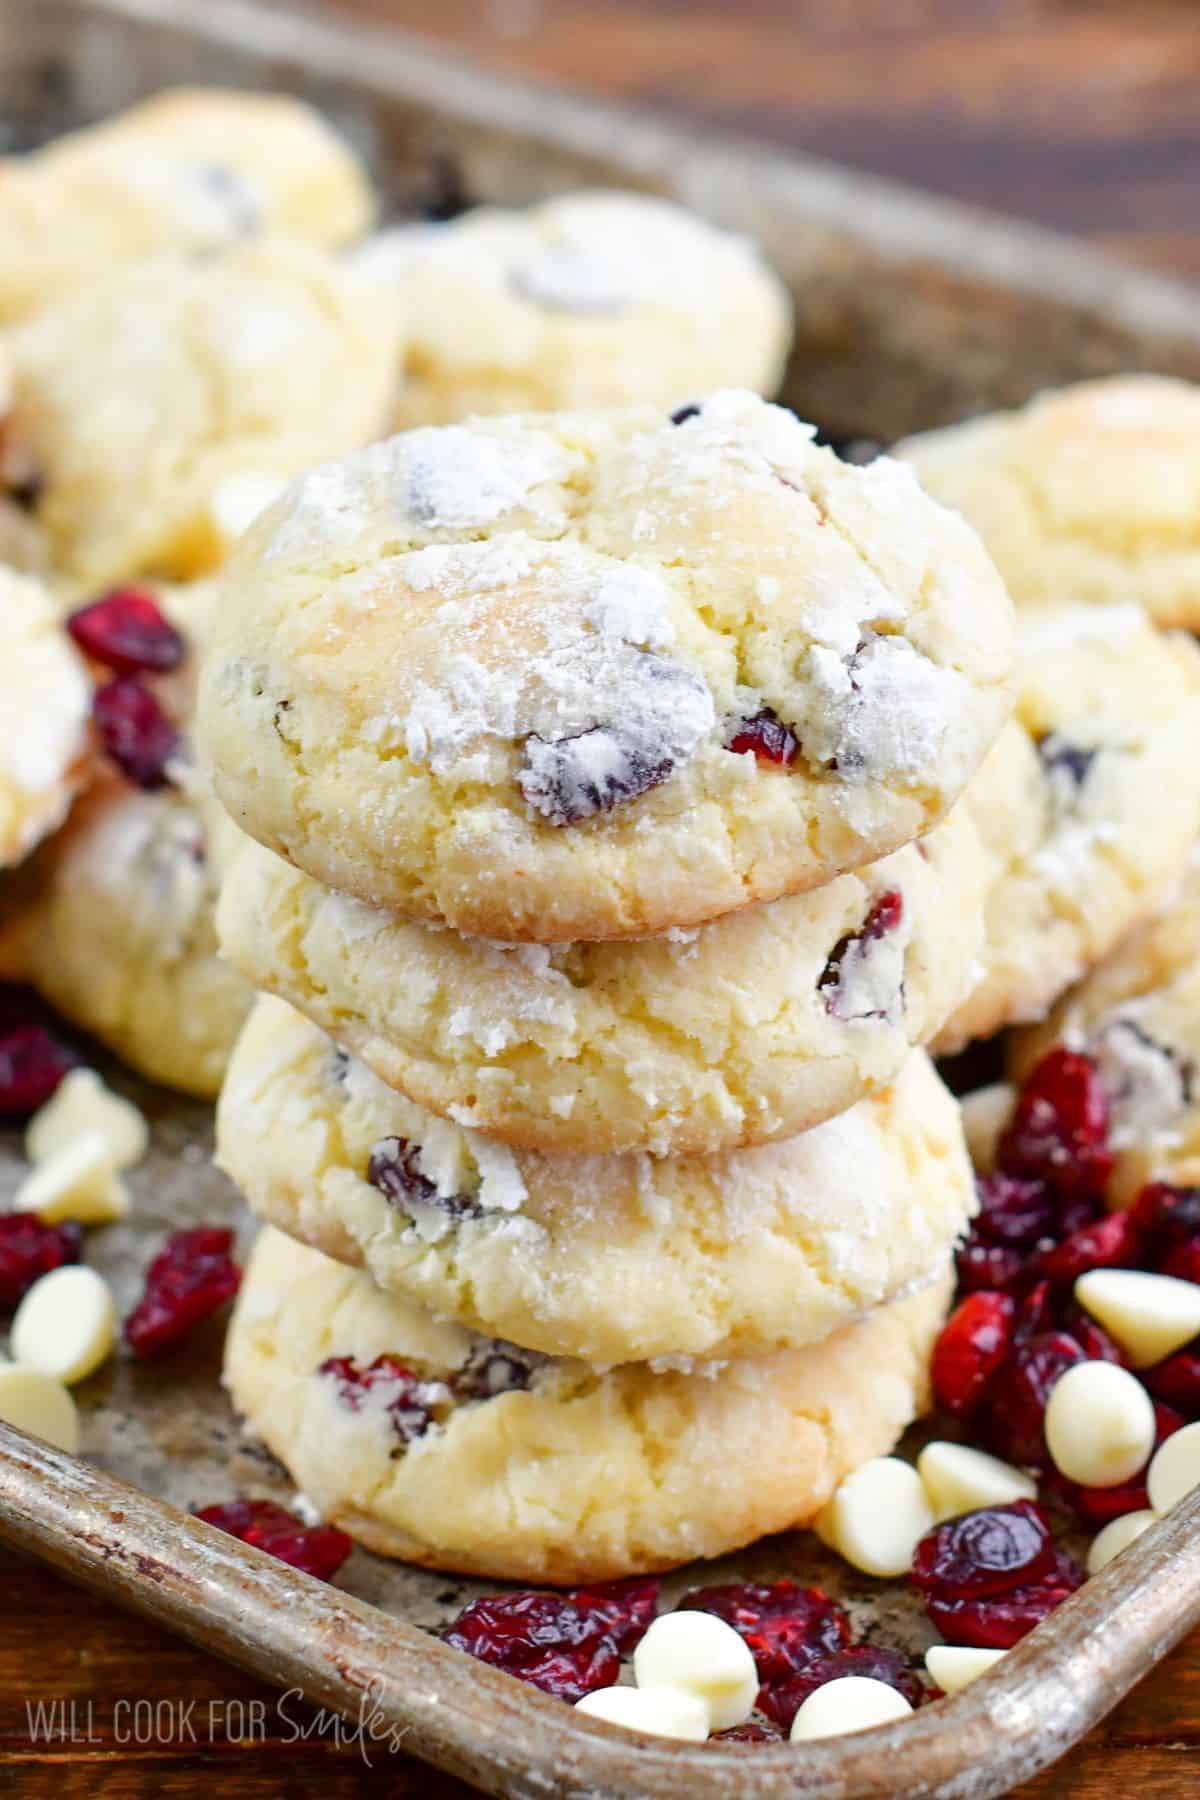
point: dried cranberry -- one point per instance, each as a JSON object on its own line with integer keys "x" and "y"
{"x": 884, "y": 917}
{"x": 780, "y": 1701}
{"x": 1013, "y": 1211}
{"x": 974, "y": 1342}
{"x": 984, "y": 1266}
{"x": 766, "y": 736}
{"x": 127, "y": 632}
{"x": 1183, "y": 1261}
{"x": 1059, "y": 1128}
{"x": 784, "y": 1625}
{"x": 135, "y": 731}
{"x": 32, "y": 1063}
{"x": 29, "y": 1249}
{"x": 319, "y": 1550}
{"x": 682, "y": 414}
{"x": 392, "y": 1168}
{"x": 561, "y": 1643}
{"x": 573, "y": 778}
{"x": 387, "y": 1384}
{"x": 754, "y": 1731}
{"x": 1035, "y": 1313}
{"x": 1177, "y": 1382}
{"x": 1072, "y": 760}
{"x": 1002, "y": 1620}
{"x": 1114, "y": 1242}
{"x": 493, "y": 1368}
{"x": 1167, "y": 1215}
{"x": 985, "y": 1552}
{"x": 1092, "y": 1339}
{"x": 1017, "y": 1396}
{"x": 627, "y": 1608}
{"x": 191, "y": 1278}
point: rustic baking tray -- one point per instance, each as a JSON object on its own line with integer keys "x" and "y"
{"x": 910, "y": 312}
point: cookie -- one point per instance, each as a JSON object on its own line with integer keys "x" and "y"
{"x": 753, "y": 1028}
{"x": 460, "y": 1452}
{"x": 1090, "y": 493}
{"x": 1088, "y": 804}
{"x": 140, "y": 399}
{"x": 45, "y": 702}
{"x": 598, "y": 675}
{"x": 1138, "y": 1014}
{"x": 114, "y": 926}
{"x": 608, "y": 1258}
{"x": 596, "y": 299}
{"x": 193, "y": 170}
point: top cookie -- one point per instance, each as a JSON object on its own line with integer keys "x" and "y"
{"x": 45, "y": 702}
{"x": 1090, "y": 493}
{"x": 598, "y": 299}
{"x": 597, "y": 675}
{"x": 193, "y": 170}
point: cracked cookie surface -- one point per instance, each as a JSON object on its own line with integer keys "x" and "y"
{"x": 612, "y": 1258}
{"x": 555, "y": 1471}
{"x": 495, "y": 675}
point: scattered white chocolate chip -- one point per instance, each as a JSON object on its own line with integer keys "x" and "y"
{"x": 38, "y": 1404}
{"x": 1099, "y": 1424}
{"x": 76, "y": 1182}
{"x": 877, "y": 1516}
{"x": 661, "y": 1712}
{"x": 699, "y": 1654}
{"x": 1116, "y": 1536}
{"x": 66, "y": 1324}
{"x": 1175, "y": 1470}
{"x": 82, "y": 1103}
{"x": 985, "y": 1113}
{"x": 955, "y": 1666}
{"x": 851, "y": 1703}
{"x": 236, "y": 502}
{"x": 1149, "y": 1316}
{"x": 960, "y": 1479}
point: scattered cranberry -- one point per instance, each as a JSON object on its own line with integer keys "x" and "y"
{"x": 135, "y": 731}
{"x": 388, "y": 1384}
{"x": 983, "y": 1266}
{"x": 1035, "y": 1312}
{"x": 883, "y": 917}
{"x": 29, "y": 1250}
{"x": 1113, "y": 1242}
{"x": 767, "y": 737}
{"x": 392, "y": 1169}
{"x": 784, "y": 1625}
{"x": 1017, "y": 1396}
{"x": 319, "y": 1550}
{"x": 781, "y": 1702}
{"x": 986, "y": 1552}
{"x": 1092, "y": 1339}
{"x": 1177, "y": 1382}
{"x": 1059, "y": 1129}
{"x": 192, "y": 1277}
{"x": 1002, "y": 1620}
{"x": 127, "y": 632}
{"x": 754, "y": 1731}
{"x": 565, "y": 1644}
{"x": 1167, "y": 1216}
{"x": 973, "y": 1344}
{"x": 32, "y": 1063}
{"x": 1184, "y": 1261}
{"x": 1013, "y": 1211}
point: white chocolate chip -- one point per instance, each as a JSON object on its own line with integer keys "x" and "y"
{"x": 955, "y": 1666}
{"x": 699, "y": 1654}
{"x": 1117, "y": 1535}
{"x": 960, "y": 1479}
{"x": 1149, "y": 1316}
{"x": 985, "y": 1113}
{"x": 661, "y": 1712}
{"x": 1099, "y": 1425}
{"x": 1175, "y": 1470}
{"x": 66, "y": 1324}
{"x": 77, "y": 1182}
{"x": 82, "y": 1103}
{"x": 851, "y": 1703}
{"x": 38, "y": 1404}
{"x": 877, "y": 1517}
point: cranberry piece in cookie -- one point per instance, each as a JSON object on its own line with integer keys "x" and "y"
{"x": 128, "y": 632}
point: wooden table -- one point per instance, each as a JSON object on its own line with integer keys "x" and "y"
{"x": 1082, "y": 114}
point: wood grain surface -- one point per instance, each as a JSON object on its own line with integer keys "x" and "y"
{"x": 1084, "y": 114}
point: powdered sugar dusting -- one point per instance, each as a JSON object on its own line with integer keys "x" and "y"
{"x": 884, "y": 712}
{"x": 1147, "y": 1081}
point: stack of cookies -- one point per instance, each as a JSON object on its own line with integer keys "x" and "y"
{"x": 604, "y": 879}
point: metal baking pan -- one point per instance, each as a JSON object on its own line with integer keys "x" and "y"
{"x": 911, "y": 312}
